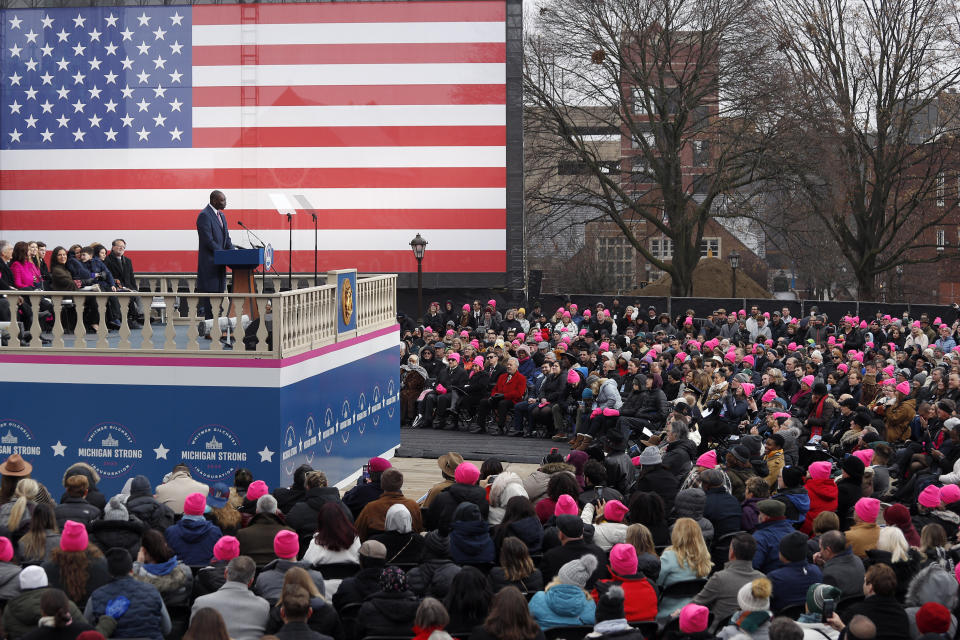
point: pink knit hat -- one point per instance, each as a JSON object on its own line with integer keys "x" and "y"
{"x": 708, "y": 460}
{"x": 475, "y": 344}
{"x": 466, "y": 473}
{"x": 464, "y": 334}
{"x": 949, "y": 493}
{"x": 747, "y": 388}
{"x": 227, "y": 548}
{"x": 688, "y": 322}
{"x": 681, "y": 357}
{"x": 792, "y": 346}
{"x": 889, "y": 382}
{"x": 807, "y": 380}
{"x": 819, "y": 470}
{"x": 257, "y": 489}
{"x": 842, "y": 367}
{"x": 916, "y": 324}
{"x": 867, "y": 509}
{"x": 749, "y": 360}
{"x": 466, "y": 307}
{"x": 450, "y": 332}
{"x": 195, "y": 504}
{"x": 573, "y": 377}
{"x": 781, "y": 414}
{"x": 74, "y": 536}
{"x": 286, "y": 544}
{"x": 6, "y": 549}
{"x": 832, "y": 340}
{"x": 586, "y": 313}
{"x": 904, "y": 388}
{"x": 492, "y": 303}
{"x": 614, "y": 510}
{"x": 865, "y": 455}
{"x": 478, "y": 361}
{"x": 623, "y": 559}
{"x": 694, "y": 618}
{"x": 930, "y": 497}
{"x": 604, "y": 346}
{"x": 454, "y": 356}
{"x": 566, "y": 506}
{"x": 769, "y": 396}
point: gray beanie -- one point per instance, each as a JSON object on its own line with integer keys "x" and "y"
{"x": 651, "y": 455}
{"x": 577, "y": 572}
{"x": 115, "y": 510}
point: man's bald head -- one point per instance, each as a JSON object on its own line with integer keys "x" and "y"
{"x": 862, "y": 628}
{"x": 218, "y": 200}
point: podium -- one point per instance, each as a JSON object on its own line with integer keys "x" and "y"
{"x": 243, "y": 263}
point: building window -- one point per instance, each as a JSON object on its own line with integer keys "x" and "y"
{"x": 701, "y": 153}
{"x": 710, "y": 248}
{"x": 701, "y": 184}
{"x": 644, "y": 129}
{"x": 941, "y": 187}
{"x": 661, "y": 248}
{"x": 615, "y": 258}
{"x": 941, "y": 238}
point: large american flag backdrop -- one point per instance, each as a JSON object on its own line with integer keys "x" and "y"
{"x": 390, "y": 118}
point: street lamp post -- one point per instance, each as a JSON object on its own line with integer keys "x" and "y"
{"x": 418, "y": 245}
{"x": 734, "y": 259}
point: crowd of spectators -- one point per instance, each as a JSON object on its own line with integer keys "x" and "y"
{"x": 714, "y": 483}
{"x": 24, "y": 266}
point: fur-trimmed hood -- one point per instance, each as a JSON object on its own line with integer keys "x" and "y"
{"x": 82, "y": 468}
{"x": 932, "y": 584}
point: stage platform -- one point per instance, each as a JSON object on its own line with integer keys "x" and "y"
{"x": 429, "y": 443}
{"x": 320, "y": 385}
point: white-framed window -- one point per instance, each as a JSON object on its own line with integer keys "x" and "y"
{"x": 941, "y": 238}
{"x": 941, "y": 188}
{"x": 661, "y": 248}
{"x": 701, "y": 153}
{"x": 615, "y": 255}
{"x": 710, "y": 248}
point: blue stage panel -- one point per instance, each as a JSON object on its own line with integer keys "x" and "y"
{"x": 333, "y": 408}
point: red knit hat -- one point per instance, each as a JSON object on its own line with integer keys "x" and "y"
{"x": 933, "y": 617}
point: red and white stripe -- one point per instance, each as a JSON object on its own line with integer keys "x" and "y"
{"x": 389, "y": 117}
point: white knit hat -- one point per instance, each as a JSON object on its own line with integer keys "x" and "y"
{"x": 755, "y": 595}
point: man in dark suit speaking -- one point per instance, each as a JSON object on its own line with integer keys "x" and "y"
{"x": 213, "y": 235}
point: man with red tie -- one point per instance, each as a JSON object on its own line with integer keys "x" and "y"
{"x": 213, "y": 235}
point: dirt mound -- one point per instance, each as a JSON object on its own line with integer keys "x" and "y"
{"x": 712, "y": 279}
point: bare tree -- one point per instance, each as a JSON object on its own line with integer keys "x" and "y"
{"x": 683, "y": 82}
{"x": 873, "y": 127}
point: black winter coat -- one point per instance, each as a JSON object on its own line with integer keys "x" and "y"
{"x": 659, "y": 480}
{"x": 440, "y": 513}
{"x": 303, "y": 516}
{"x": 387, "y": 614}
{"x": 76, "y": 509}
{"x": 679, "y": 457}
{"x": 848, "y": 492}
{"x": 126, "y": 534}
{"x": 357, "y": 588}
{"x": 150, "y": 512}
{"x": 403, "y": 548}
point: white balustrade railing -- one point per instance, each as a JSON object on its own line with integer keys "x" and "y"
{"x": 272, "y": 325}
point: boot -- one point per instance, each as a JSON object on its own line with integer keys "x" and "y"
{"x": 584, "y": 443}
{"x": 576, "y": 442}
{"x": 560, "y": 437}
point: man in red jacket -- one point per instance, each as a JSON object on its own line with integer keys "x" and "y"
{"x": 507, "y": 392}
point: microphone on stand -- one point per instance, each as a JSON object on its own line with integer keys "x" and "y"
{"x": 249, "y": 231}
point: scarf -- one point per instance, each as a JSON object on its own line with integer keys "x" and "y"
{"x": 750, "y": 621}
